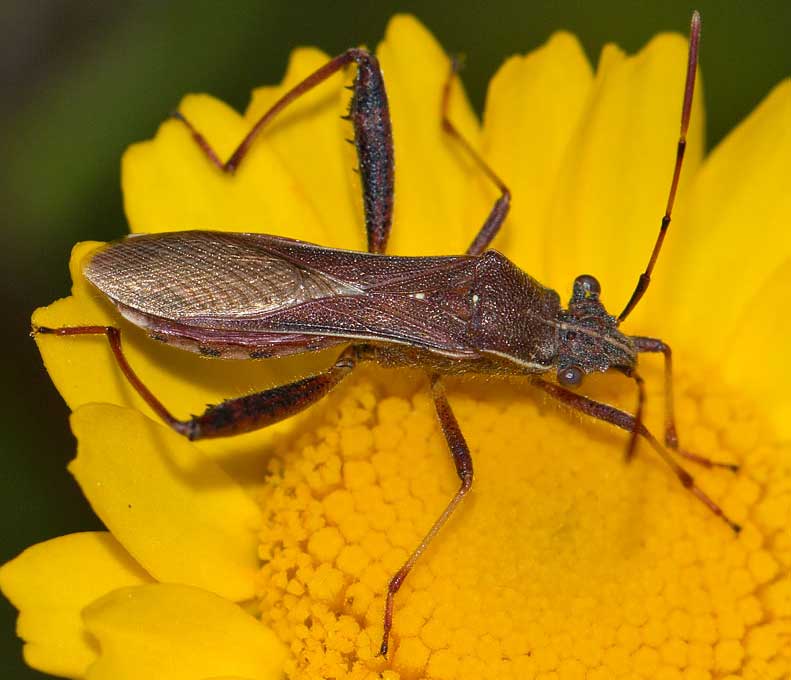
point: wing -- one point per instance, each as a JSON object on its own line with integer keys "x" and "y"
{"x": 253, "y": 289}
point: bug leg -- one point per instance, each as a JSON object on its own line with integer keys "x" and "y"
{"x": 656, "y": 345}
{"x": 370, "y": 115}
{"x": 463, "y": 462}
{"x": 234, "y": 416}
{"x": 255, "y": 411}
{"x": 671, "y": 435}
{"x": 626, "y": 421}
{"x": 113, "y": 335}
{"x": 500, "y": 209}
{"x": 638, "y": 417}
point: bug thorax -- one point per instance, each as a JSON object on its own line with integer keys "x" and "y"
{"x": 588, "y": 336}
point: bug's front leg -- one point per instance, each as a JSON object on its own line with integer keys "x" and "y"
{"x": 644, "y": 344}
{"x": 234, "y": 416}
{"x": 369, "y": 113}
{"x": 655, "y": 345}
{"x": 463, "y": 462}
{"x": 626, "y": 421}
{"x": 638, "y": 417}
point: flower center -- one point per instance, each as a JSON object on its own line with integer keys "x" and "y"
{"x": 563, "y": 558}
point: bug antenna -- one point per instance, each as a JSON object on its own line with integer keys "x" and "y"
{"x": 686, "y": 109}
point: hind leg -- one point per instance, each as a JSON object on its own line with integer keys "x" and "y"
{"x": 370, "y": 116}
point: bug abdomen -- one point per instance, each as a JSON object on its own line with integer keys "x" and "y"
{"x": 227, "y": 344}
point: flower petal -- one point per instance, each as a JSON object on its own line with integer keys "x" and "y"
{"x": 736, "y": 232}
{"x": 433, "y": 203}
{"x": 614, "y": 182}
{"x": 84, "y": 371}
{"x": 177, "y": 512}
{"x": 169, "y": 184}
{"x": 176, "y": 632}
{"x": 533, "y": 107}
{"x": 761, "y": 338}
{"x": 309, "y": 138}
{"x": 51, "y": 582}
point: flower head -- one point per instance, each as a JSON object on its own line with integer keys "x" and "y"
{"x": 271, "y": 551}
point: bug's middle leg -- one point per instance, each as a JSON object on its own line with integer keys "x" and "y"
{"x": 369, "y": 113}
{"x": 499, "y": 211}
{"x": 463, "y": 462}
{"x": 234, "y": 416}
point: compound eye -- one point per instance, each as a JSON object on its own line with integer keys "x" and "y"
{"x": 588, "y": 284}
{"x": 571, "y": 376}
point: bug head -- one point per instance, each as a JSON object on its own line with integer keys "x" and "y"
{"x": 588, "y": 336}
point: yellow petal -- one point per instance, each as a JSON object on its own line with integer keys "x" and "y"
{"x": 84, "y": 371}
{"x": 51, "y": 582}
{"x": 173, "y": 509}
{"x": 615, "y": 180}
{"x": 532, "y": 109}
{"x": 169, "y": 184}
{"x": 756, "y": 358}
{"x": 736, "y": 232}
{"x": 432, "y": 206}
{"x": 176, "y": 632}
{"x": 309, "y": 138}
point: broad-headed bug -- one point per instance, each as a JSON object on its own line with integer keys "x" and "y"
{"x": 256, "y": 296}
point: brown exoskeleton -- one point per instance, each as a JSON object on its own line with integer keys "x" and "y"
{"x": 255, "y": 296}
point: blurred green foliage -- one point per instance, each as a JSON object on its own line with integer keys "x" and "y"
{"x": 86, "y": 79}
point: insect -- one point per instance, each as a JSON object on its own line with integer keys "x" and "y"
{"x": 232, "y": 295}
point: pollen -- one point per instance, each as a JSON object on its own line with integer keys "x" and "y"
{"x": 563, "y": 561}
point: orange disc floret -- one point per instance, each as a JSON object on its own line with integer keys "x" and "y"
{"x": 562, "y": 560}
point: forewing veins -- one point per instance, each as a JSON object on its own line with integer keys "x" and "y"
{"x": 228, "y": 287}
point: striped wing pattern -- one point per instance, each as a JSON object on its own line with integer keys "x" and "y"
{"x": 245, "y": 288}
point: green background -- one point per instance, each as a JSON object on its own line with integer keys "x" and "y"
{"x": 82, "y": 80}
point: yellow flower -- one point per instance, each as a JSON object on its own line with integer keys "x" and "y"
{"x": 563, "y": 562}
